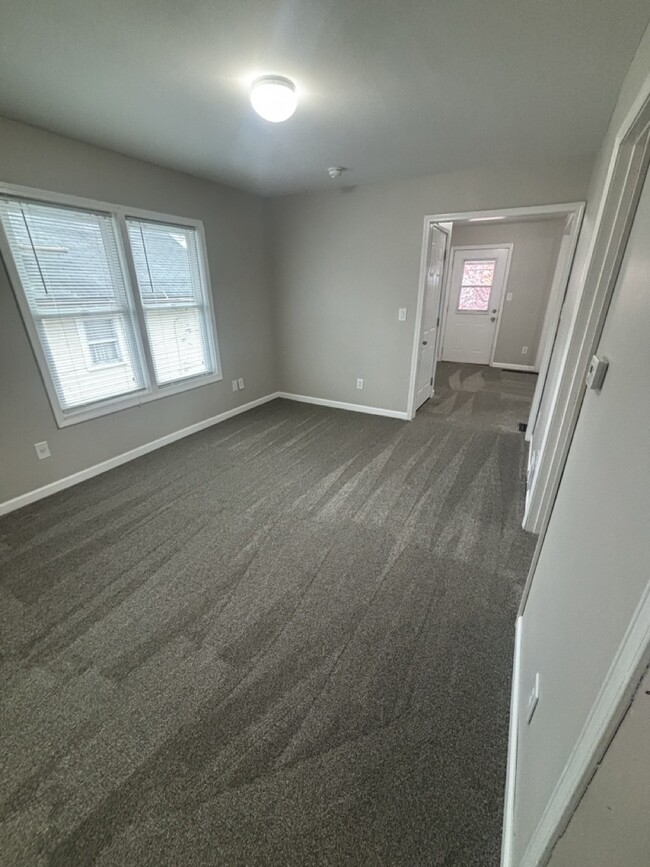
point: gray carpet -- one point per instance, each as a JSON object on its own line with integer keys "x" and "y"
{"x": 286, "y": 640}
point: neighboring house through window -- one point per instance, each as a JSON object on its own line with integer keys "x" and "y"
{"x": 117, "y": 303}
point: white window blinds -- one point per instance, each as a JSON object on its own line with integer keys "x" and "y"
{"x": 117, "y": 307}
{"x": 174, "y": 299}
{"x": 69, "y": 266}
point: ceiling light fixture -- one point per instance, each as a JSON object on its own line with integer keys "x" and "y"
{"x": 274, "y": 98}
{"x": 335, "y": 171}
{"x": 484, "y": 219}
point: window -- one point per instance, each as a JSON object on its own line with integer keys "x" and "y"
{"x": 167, "y": 265}
{"x": 102, "y": 342}
{"x": 105, "y": 341}
{"x": 476, "y": 285}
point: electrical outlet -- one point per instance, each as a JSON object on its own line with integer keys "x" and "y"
{"x": 235, "y": 385}
{"x": 241, "y": 382}
{"x": 359, "y": 383}
{"x": 401, "y": 314}
{"x": 42, "y": 450}
{"x": 533, "y": 699}
{"x": 524, "y": 350}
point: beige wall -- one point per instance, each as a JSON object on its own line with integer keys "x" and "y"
{"x": 345, "y": 261}
{"x": 238, "y": 259}
{"x": 534, "y": 257}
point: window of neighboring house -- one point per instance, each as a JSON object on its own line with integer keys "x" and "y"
{"x": 103, "y": 343}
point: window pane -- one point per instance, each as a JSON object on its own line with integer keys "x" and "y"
{"x": 69, "y": 266}
{"x": 174, "y": 299}
{"x": 474, "y": 298}
{"x": 100, "y": 329}
{"x": 476, "y": 285}
{"x": 105, "y": 353}
{"x": 478, "y": 272}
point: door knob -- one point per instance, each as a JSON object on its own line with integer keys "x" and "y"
{"x": 493, "y": 319}
{"x": 424, "y": 342}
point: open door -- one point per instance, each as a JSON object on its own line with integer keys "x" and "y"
{"x": 427, "y": 352}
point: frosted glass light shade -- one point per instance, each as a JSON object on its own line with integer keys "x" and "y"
{"x": 274, "y": 98}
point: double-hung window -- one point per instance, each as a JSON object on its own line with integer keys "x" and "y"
{"x": 117, "y": 303}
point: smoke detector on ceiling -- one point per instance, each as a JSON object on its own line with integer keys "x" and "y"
{"x": 336, "y": 171}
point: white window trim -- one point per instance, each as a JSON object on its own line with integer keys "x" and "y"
{"x": 151, "y": 390}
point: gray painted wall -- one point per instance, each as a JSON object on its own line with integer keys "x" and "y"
{"x": 575, "y": 616}
{"x": 235, "y": 230}
{"x": 534, "y": 257}
{"x": 610, "y": 826}
{"x": 564, "y": 355}
{"x": 346, "y": 260}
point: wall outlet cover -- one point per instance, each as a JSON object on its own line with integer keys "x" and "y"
{"x": 42, "y": 450}
{"x": 359, "y": 383}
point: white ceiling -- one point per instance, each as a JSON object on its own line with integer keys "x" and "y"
{"x": 387, "y": 88}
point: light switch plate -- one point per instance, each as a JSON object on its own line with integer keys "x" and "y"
{"x": 241, "y": 382}
{"x": 508, "y": 296}
{"x": 235, "y": 385}
{"x": 401, "y": 315}
{"x": 596, "y": 373}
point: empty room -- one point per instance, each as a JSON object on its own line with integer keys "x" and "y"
{"x": 324, "y": 433}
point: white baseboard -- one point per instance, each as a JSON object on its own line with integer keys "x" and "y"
{"x": 507, "y": 838}
{"x": 337, "y": 404}
{"x": 527, "y": 368}
{"x": 82, "y": 475}
{"x": 104, "y": 466}
{"x": 627, "y": 668}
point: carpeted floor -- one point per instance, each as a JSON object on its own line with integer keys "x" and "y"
{"x": 286, "y": 640}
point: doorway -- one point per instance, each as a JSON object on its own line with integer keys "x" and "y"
{"x": 514, "y": 350}
{"x": 477, "y": 280}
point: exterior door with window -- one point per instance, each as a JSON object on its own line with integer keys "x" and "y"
{"x": 477, "y": 281}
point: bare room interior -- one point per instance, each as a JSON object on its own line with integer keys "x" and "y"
{"x": 324, "y": 452}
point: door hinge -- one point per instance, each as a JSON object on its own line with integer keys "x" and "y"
{"x": 438, "y": 322}
{"x": 431, "y": 381}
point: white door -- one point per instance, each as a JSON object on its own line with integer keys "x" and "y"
{"x": 477, "y": 280}
{"x": 593, "y": 569}
{"x": 430, "y": 316}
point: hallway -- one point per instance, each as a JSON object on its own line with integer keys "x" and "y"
{"x": 286, "y": 640}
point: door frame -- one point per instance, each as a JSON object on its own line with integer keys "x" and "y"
{"x": 560, "y": 209}
{"x": 424, "y": 268}
{"x": 509, "y": 247}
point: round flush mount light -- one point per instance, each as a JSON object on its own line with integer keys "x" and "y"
{"x": 274, "y": 98}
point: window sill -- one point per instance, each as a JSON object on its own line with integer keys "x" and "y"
{"x": 107, "y": 407}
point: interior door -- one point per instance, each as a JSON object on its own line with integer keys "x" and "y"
{"x": 430, "y": 316}
{"x": 476, "y": 285}
{"x": 593, "y": 570}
